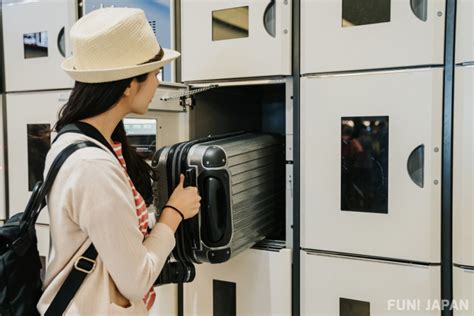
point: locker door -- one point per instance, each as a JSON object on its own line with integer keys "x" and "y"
{"x": 463, "y": 167}
{"x": 465, "y": 31}
{"x": 235, "y": 39}
{"x": 3, "y": 213}
{"x": 371, "y": 162}
{"x": 343, "y": 286}
{"x": 463, "y": 291}
{"x": 37, "y": 37}
{"x": 30, "y": 116}
{"x": 342, "y": 35}
{"x": 256, "y": 282}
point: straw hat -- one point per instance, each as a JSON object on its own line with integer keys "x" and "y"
{"x": 113, "y": 44}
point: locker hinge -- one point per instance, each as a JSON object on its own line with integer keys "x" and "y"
{"x": 186, "y": 97}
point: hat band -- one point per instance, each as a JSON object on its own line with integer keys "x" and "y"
{"x": 157, "y": 57}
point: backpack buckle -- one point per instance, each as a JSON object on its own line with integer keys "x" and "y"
{"x": 87, "y": 266}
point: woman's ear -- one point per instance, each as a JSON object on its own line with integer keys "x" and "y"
{"x": 127, "y": 91}
{"x": 132, "y": 87}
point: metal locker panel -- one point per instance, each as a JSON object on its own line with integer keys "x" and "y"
{"x": 463, "y": 291}
{"x": 166, "y": 99}
{"x": 371, "y": 160}
{"x": 160, "y": 15}
{"x": 330, "y": 286}
{"x": 465, "y": 31}
{"x": 289, "y": 147}
{"x": 289, "y": 205}
{"x": 37, "y": 37}
{"x": 289, "y": 106}
{"x": 463, "y": 167}
{"x": 339, "y": 35}
{"x": 29, "y": 116}
{"x": 235, "y": 39}
{"x": 173, "y": 127}
{"x": 3, "y": 201}
{"x": 256, "y": 282}
{"x": 166, "y": 302}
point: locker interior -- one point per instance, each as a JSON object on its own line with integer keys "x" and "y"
{"x": 259, "y": 108}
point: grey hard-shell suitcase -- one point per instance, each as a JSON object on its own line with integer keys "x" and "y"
{"x": 240, "y": 178}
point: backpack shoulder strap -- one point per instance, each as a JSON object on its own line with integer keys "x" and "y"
{"x": 82, "y": 267}
{"x": 86, "y": 263}
{"x": 87, "y": 130}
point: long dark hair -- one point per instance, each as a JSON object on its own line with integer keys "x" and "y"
{"x": 91, "y": 99}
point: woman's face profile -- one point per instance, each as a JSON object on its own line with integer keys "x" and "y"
{"x": 142, "y": 93}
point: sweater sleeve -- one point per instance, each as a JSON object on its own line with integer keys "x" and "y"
{"x": 103, "y": 204}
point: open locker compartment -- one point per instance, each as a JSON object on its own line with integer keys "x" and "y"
{"x": 256, "y": 282}
{"x": 463, "y": 167}
{"x": 252, "y": 106}
{"x": 463, "y": 290}
{"x": 371, "y": 158}
{"x": 345, "y": 286}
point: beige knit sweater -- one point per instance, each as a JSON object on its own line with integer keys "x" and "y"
{"x": 91, "y": 201}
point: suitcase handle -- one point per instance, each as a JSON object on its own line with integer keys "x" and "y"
{"x": 216, "y": 227}
{"x": 213, "y": 218}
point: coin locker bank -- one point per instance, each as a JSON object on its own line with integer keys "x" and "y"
{"x": 349, "y": 94}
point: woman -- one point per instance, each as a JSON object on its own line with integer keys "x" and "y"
{"x": 99, "y": 194}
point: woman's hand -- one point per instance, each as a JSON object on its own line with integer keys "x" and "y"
{"x": 185, "y": 199}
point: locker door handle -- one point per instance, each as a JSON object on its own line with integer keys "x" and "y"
{"x": 62, "y": 42}
{"x": 420, "y": 9}
{"x": 416, "y": 165}
{"x": 269, "y": 19}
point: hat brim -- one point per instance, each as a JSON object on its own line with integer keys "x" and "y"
{"x": 113, "y": 74}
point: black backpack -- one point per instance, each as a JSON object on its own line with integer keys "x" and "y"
{"x": 20, "y": 282}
